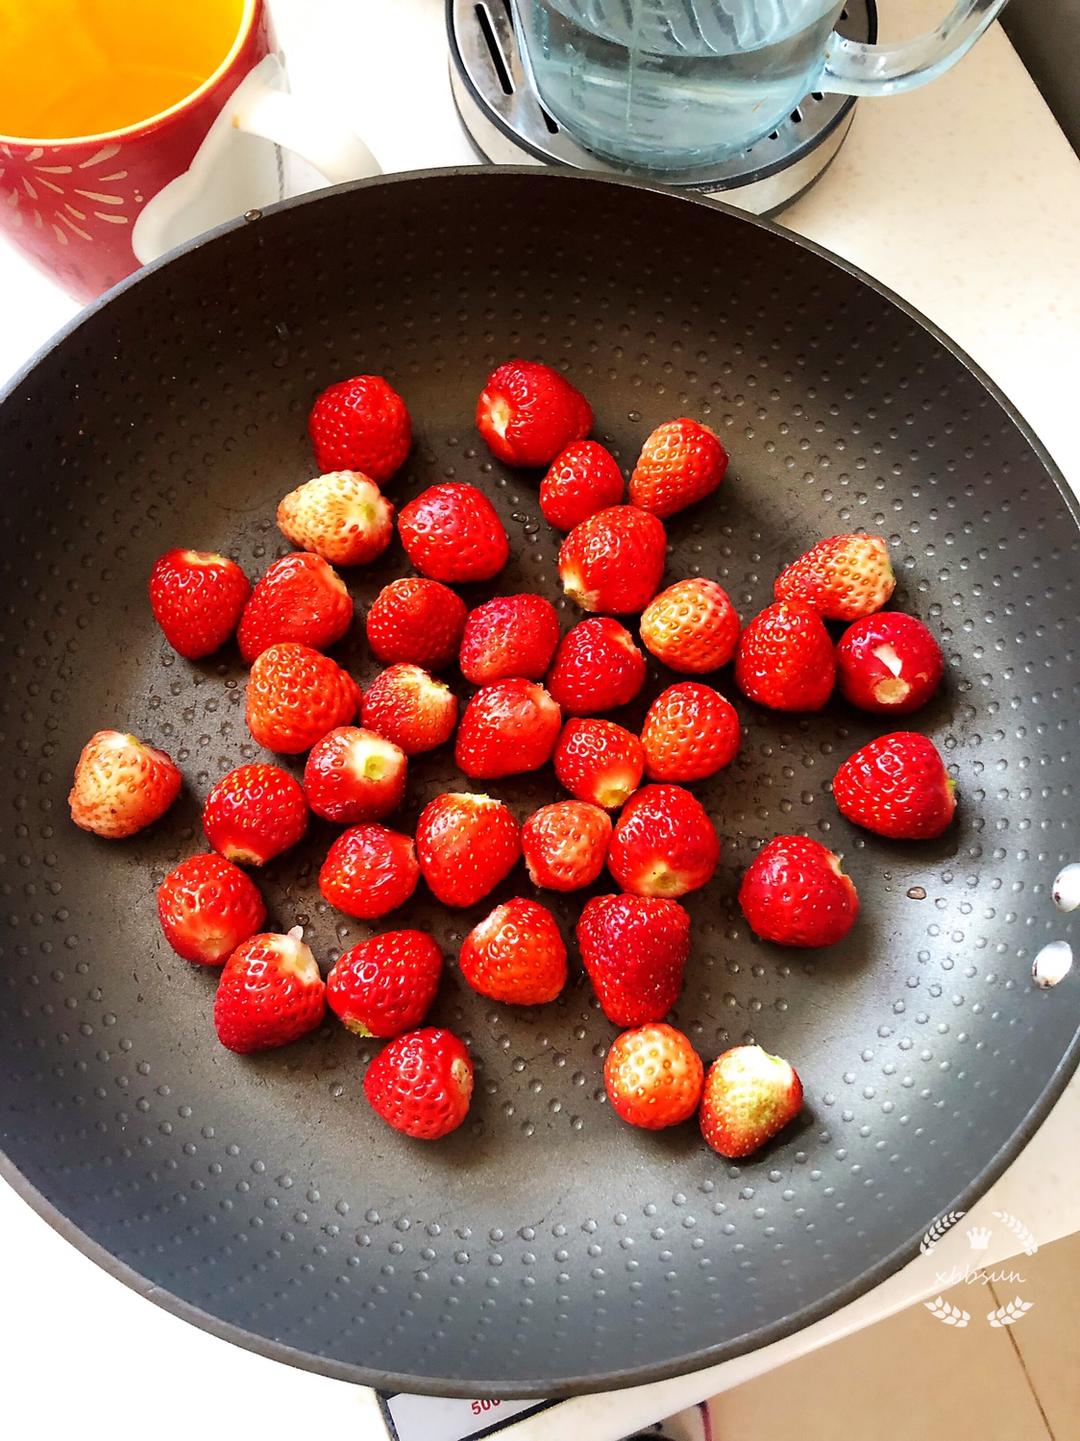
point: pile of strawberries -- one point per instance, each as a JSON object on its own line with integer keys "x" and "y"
{"x": 540, "y": 698}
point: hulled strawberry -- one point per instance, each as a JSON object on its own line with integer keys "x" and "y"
{"x": 254, "y": 813}
{"x": 842, "y": 578}
{"x": 634, "y": 950}
{"x": 581, "y": 480}
{"x": 342, "y": 516}
{"x": 121, "y": 785}
{"x": 599, "y": 761}
{"x": 516, "y": 955}
{"x": 295, "y": 696}
{"x": 355, "y": 775}
{"x": 369, "y": 871}
{"x": 748, "y": 1097}
{"x": 197, "y": 598}
{"x": 361, "y": 424}
{"x": 785, "y": 658}
{"x": 385, "y": 985}
{"x": 466, "y": 845}
{"x": 691, "y": 626}
{"x": 565, "y": 845}
{"x": 613, "y": 561}
{"x": 270, "y": 993}
{"x": 508, "y": 728}
{"x": 690, "y": 732}
{"x": 597, "y": 667}
{"x": 299, "y": 598}
{"x": 888, "y": 662}
{"x": 453, "y": 532}
{"x": 794, "y": 893}
{"x": 680, "y": 463}
{"x": 653, "y": 1077}
{"x": 897, "y": 786}
{"x": 509, "y": 636}
{"x": 664, "y": 843}
{"x": 416, "y": 621}
{"x": 207, "y": 907}
{"x": 410, "y": 708}
{"x": 527, "y": 413}
{"x": 421, "y": 1083}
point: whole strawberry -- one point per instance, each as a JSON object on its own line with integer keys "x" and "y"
{"x": 342, "y": 516}
{"x": 270, "y": 993}
{"x": 599, "y": 761}
{"x": 516, "y": 955}
{"x": 421, "y": 1083}
{"x": 466, "y": 845}
{"x": 121, "y": 785}
{"x": 690, "y": 732}
{"x": 888, "y": 662}
{"x": 508, "y": 728}
{"x": 453, "y": 532}
{"x": 207, "y": 907}
{"x": 597, "y": 667}
{"x": 509, "y": 636}
{"x": 748, "y": 1097}
{"x": 581, "y": 480}
{"x": 299, "y": 598}
{"x": 369, "y": 871}
{"x": 691, "y": 626}
{"x": 653, "y": 1077}
{"x": 897, "y": 786}
{"x": 527, "y": 413}
{"x": 386, "y": 985}
{"x": 295, "y": 696}
{"x": 634, "y": 950}
{"x": 361, "y": 424}
{"x": 355, "y": 775}
{"x": 664, "y": 843}
{"x": 842, "y": 578}
{"x": 565, "y": 845}
{"x": 254, "y": 813}
{"x": 197, "y": 598}
{"x": 417, "y": 621}
{"x": 785, "y": 658}
{"x": 410, "y": 708}
{"x": 613, "y": 561}
{"x": 680, "y": 463}
{"x": 795, "y": 893}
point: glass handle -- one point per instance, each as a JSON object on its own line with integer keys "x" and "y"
{"x": 853, "y": 68}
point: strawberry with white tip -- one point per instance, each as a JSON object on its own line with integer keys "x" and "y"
{"x": 341, "y": 516}
{"x": 270, "y": 993}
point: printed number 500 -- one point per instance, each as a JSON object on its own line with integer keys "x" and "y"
{"x": 479, "y": 1407}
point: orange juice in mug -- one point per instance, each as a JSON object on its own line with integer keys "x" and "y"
{"x": 129, "y": 126}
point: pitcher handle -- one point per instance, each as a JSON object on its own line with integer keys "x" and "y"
{"x": 301, "y": 125}
{"x": 854, "y": 68}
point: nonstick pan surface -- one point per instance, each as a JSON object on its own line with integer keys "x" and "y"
{"x": 545, "y": 1248}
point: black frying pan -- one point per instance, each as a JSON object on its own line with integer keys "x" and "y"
{"x": 545, "y": 1248}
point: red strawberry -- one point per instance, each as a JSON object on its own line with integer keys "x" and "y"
{"x": 794, "y": 893}
{"x": 516, "y": 955}
{"x": 597, "y": 667}
{"x": 785, "y": 658}
{"x": 466, "y": 844}
{"x": 207, "y": 907}
{"x": 254, "y": 813}
{"x": 512, "y": 635}
{"x": 508, "y": 728}
{"x": 581, "y": 480}
{"x": 528, "y": 412}
{"x": 421, "y": 1083}
{"x": 417, "y": 621}
{"x": 599, "y": 761}
{"x": 197, "y": 598}
{"x": 361, "y": 424}
{"x": 299, "y": 598}
{"x": 680, "y": 463}
{"x": 342, "y": 516}
{"x": 270, "y": 993}
{"x": 121, "y": 785}
{"x": 355, "y": 775}
{"x": 690, "y": 732}
{"x": 411, "y": 708}
{"x": 842, "y": 578}
{"x": 386, "y": 985}
{"x": 369, "y": 871}
{"x": 692, "y": 626}
{"x": 749, "y": 1096}
{"x": 888, "y": 662}
{"x": 295, "y": 696}
{"x": 634, "y": 949}
{"x": 653, "y": 1077}
{"x": 453, "y": 532}
{"x": 898, "y": 787}
{"x": 613, "y": 561}
{"x": 565, "y": 845}
{"x": 664, "y": 843}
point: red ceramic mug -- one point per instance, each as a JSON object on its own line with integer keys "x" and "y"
{"x": 91, "y": 186}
